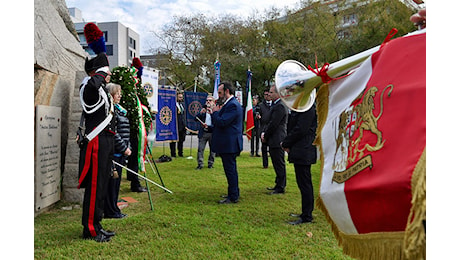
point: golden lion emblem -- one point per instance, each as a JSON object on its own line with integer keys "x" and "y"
{"x": 358, "y": 118}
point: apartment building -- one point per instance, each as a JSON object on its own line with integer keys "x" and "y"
{"x": 122, "y": 43}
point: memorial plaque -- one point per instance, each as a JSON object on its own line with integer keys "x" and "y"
{"x": 47, "y": 156}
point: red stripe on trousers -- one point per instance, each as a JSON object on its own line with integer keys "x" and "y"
{"x": 92, "y": 151}
{"x": 92, "y": 201}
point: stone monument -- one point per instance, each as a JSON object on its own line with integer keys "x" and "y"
{"x": 58, "y": 70}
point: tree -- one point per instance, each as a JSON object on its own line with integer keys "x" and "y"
{"x": 376, "y": 19}
{"x": 181, "y": 43}
{"x": 326, "y": 30}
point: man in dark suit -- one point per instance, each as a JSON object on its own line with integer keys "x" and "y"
{"x": 256, "y": 130}
{"x": 273, "y": 134}
{"x": 301, "y": 132}
{"x": 264, "y": 118}
{"x": 181, "y": 131}
{"x": 227, "y": 137}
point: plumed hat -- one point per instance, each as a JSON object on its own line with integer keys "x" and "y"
{"x": 138, "y": 65}
{"x": 95, "y": 39}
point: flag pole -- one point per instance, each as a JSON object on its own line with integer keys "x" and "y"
{"x": 131, "y": 171}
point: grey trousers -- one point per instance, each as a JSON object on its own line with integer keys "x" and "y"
{"x": 206, "y": 138}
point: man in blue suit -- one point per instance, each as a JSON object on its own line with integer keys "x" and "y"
{"x": 227, "y": 137}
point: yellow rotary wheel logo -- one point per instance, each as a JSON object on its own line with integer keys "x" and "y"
{"x": 165, "y": 115}
{"x": 194, "y": 108}
{"x": 148, "y": 89}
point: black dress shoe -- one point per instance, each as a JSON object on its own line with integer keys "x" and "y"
{"x": 270, "y": 188}
{"x": 294, "y": 215}
{"x": 199, "y": 167}
{"x": 99, "y": 238}
{"x": 276, "y": 192}
{"x": 107, "y": 233}
{"x": 227, "y": 201}
{"x": 298, "y": 222}
{"x": 210, "y": 166}
{"x": 139, "y": 189}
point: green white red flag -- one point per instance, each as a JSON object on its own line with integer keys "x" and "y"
{"x": 372, "y": 133}
{"x": 249, "y": 109}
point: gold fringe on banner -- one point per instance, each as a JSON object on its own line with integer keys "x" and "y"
{"x": 322, "y": 108}
{"x": 415, "y": 238}
{"x": 375, "y": 246}
{"x": 410, "y": 244}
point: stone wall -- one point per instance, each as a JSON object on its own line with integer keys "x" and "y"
{"x": 58, "y": 71}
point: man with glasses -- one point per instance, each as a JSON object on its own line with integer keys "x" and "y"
{"x": 205, "y": 133}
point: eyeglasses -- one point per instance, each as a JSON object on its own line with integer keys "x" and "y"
{"x": 209, "y": 100}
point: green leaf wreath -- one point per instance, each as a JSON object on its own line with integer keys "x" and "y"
{"x": 125, "y": 77}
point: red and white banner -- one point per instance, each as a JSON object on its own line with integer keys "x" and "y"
{"x": 373, "y": 140}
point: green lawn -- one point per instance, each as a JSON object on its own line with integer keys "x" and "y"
{"x": 190, "y": 224}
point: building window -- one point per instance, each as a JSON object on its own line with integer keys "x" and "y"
{"x": 89, "y": 51}
{"x": 109, "y": 49}
{"x": 132, "y": 43}
{"x": 106, "y": 35}
{"x": 82, "y": 38}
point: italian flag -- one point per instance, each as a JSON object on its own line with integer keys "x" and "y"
{"x": 249, "y": 110}
{"x": 142, "y": 135}
{"x": 372, "y": 135}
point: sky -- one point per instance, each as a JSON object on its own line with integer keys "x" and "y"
{"x": 145, "y": 16}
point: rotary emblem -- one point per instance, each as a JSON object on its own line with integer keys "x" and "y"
{"x": 148, "y": 89}
{"x": 165, "y": 115}
{"x": 194, "y": 108}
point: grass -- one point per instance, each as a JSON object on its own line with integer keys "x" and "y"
{"x": 189, "y": 224}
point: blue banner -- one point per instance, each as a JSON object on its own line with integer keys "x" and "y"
{"x": 194, "y": 101}
{"x": 166, "y": 120}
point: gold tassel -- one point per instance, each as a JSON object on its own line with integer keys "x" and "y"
{"x": 415, "y": 237}
{"x": 322, "y": 108}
